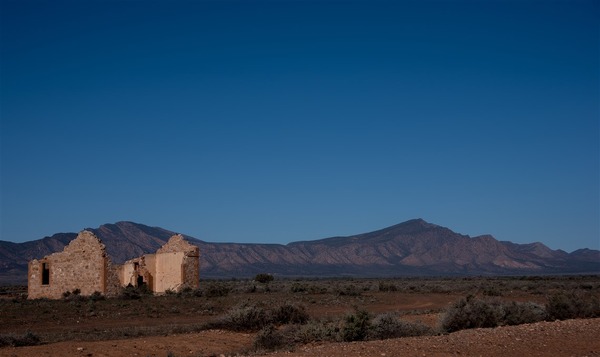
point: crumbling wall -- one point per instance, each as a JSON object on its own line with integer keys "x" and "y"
{"x": 82, "y": 265}
{"x": 113, "y": 283}
{"x": 138, "y": 271}
{"x": 191, "y": 271}
{"x": 177, "y": 265}
{"x": 150, "y": 260}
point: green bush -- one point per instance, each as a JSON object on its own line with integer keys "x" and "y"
{"x": 264, "y": 278}
{"x": 383, "y": 286}
{"x": 522, "y": 313}
{"x": 571, "y": 305}
{"x": 245, "y": 318}
{"x": 349, "y": 290}
{"x": 269, "y": 339}
{"x": 475, "y": 313}
{"x": 216, "y": 290}
{"x": 387, "y": 325}
{"x": 290, "y": 313}
{"x": 472, "y": 313}
{"x": 298, "y": 288}
{"x": 492, "y": 291}
{"x": 316, "y": 331}
{"x": 131, "y": 292}
{"x": 356, "y": 326}
{"x": 254, "y": 317}
{"x": 97, "y": 296}
{"x": 74, "y": 296}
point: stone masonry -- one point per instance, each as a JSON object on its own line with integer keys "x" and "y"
{"x": 82, "y": 265}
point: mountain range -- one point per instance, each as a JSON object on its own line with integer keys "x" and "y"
{"x": 411, "y": 248}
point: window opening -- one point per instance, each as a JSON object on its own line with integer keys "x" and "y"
{"x": 45, "y": 274}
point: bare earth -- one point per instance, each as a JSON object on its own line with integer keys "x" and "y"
{"x": 560, "y": 338}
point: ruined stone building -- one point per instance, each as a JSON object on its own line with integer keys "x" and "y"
{"x": 174, "y": 266}
{"x": 84, "y": 265}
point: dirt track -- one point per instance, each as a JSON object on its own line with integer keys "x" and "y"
{"x": 561, "y": 338}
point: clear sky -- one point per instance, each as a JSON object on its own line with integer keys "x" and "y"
{"x": 277, "y": 121}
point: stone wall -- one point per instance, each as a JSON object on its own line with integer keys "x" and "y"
{"x": 112, "y": 281}
{"x": 169, "y": 274}
{"x": 188, "y": 263}
{"x": 191, "y": 271}
{"x": 82, "y": 265}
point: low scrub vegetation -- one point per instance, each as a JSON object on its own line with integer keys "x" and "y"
{"x": 573, "y": 304}
{"x": 253, "y": 317}
{"x": 279, "y": 311}
{"x": 473, "y": 312}
{"x": 388, "y": 325}
{"x": 359, "y": 325}
{"x": 131, "y": 292}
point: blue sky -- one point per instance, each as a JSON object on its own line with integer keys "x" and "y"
{"x": 277, "y": 121}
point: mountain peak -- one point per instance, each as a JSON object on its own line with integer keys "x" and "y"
{"x": 420, "y": 222}
{"x": 412, "y": 226}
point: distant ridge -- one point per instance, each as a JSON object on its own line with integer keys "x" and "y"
{"x": 411, "y": 248}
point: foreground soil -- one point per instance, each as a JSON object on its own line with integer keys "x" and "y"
{"x": 560, "y": 338}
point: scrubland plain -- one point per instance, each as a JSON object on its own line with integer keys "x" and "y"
{"x": 316, "y": 317}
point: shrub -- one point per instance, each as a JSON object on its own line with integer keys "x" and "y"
{"x": 253, "y": 317}
{"x": 522, "y": 313}
{"x": 574, "y": 304}
{"x": 97, "y": 296}
{"x": 131, "y": 292}
{"x": 268, "y": 338}
{"x": 350, "y": 290}
{"x": 188, "y": 292}
{"x": 245, "y": 318}
{"x": 74, "y": 295}
{"x": 492, "y": 291}
{"x": 383, "y": 286}
{"x": 290, "y": 313}
{"x": 264, "y": 278}
{"x": 356, "y": 327}
{"x": 314, "y": 289}
{"x": 216, "y": 290}
{"x": 316, "y": 331}
{"x": 298, "y": 288}
{"x": 472, "y": 313}
{"x": 387, "y": 325}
